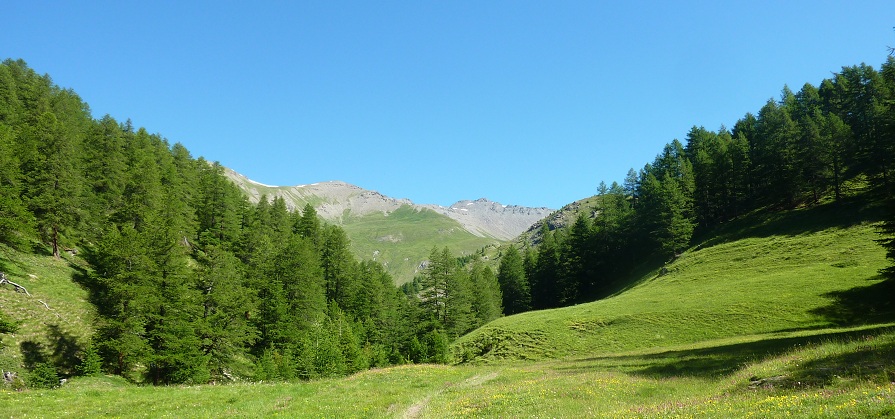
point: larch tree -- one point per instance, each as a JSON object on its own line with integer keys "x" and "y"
{"x": 514, "y": 285}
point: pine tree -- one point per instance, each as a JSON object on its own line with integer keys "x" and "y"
{"x": 219, "y": 208}
{"x": 513, "y": 283}
{"x": 16, "y": 222}
{"x": 338, "y": 268}
{"x": 435, "y": 279}
{"x": 309, "y": 225}
{"x": 546, "y": 291}
{"x": 54, "y": 189}
{"x": 458, "y": 302}
{"x": 298, "y": 269}
{"x": 226, "y": 304}
{"x": 487, "y": 300}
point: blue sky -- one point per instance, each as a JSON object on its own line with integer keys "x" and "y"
{"x": 527, "y": 103}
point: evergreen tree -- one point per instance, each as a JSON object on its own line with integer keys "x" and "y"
{"x": 338, "y": 268}
{"x": 219, "y": 208}
{"x": 104, "y": 170}
{"x": 435, "y": 280}
{"x": 487, "y": 299}
{"x": 16, "y": 222}
{"x": 514, "y": 286}
{"x": 545, "y": 288}
{"x": 54, "y": 189}
{"x": 309, "y": 225}
{"x": 458, "y": 302}
{"x": 226, "y": 303}
{"x": 298, "y": 269}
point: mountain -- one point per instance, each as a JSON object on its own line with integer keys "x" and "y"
{"x": 560, "y": 219}
{"x": 398, "y": 232}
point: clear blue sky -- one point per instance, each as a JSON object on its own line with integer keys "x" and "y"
{"x": 528, "y": 103}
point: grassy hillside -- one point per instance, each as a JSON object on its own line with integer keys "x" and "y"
{"x": 395, "y": 234}
{"x": 772, "y": 315}
{"x": 401, "y": 239}
{"x": 800, "y": 270}
{"x": 54, "y": 322}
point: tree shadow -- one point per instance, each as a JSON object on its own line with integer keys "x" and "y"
{"x": 62, "y": 352}
{"x": 96, "y": 292}
{"x": 39, "y": 248}
{"x": 765, "y": 223}
{"x": 867, "y": 361}
{"x": 65, "y": 350}
{"x": 33, "y": 354}
{"x": 724, "y": 360}
{"x": 871, "y": 304}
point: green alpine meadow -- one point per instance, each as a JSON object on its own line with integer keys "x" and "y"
{"x": 743, "y": 272}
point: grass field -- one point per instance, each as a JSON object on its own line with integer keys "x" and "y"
{"x": 773, "y": 315}
{"x": 827, "y": 373}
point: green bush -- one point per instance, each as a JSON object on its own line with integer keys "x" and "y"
{"x": 43, "y": 375}
{"x": 91, "y": 363}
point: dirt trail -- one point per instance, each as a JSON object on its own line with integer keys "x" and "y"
{"x": 416, "y": 409}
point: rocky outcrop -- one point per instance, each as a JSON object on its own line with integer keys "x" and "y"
{"x": 486, "y": 218}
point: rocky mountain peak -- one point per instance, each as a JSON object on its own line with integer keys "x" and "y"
{"x": 335, "y": 200}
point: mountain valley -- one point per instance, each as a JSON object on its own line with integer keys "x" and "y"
{"x": 398, "y": 232}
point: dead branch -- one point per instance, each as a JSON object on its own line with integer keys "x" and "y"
{"x": 19, "y": 288}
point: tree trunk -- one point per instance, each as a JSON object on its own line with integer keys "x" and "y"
{"x": 55, "y": 242}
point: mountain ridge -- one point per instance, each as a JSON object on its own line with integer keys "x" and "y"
{"x": 399, "y": 233}
{"x": 336, "y": 201}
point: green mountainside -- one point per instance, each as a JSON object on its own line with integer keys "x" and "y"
{"x": 807, "y": 269}
{"x": 743, "y": 273}
{"x": 397, "y": 232}
{"x": 777, "y": 314}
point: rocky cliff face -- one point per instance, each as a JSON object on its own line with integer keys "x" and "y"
{"x": 491, "y": 219}
{"x": 339, "y": 201}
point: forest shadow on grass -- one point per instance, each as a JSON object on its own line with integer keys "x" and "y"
{"x": 95, "y": 291}
{"x": 871, "y": 304}
{"x": 849, "y": 212}
{"x": 724, "y": 360}
{"x": 62, "y": 352}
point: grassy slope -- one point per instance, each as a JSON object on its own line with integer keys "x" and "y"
{"x": 763, "y": 319}
{"x": 405, "y": 237}
{"x": 61, "y": 327}
{"x": 761, "y": 275}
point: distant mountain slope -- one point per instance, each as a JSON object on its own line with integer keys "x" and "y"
{"x": 560, "y": 219}
{"x": 398, "y": 232}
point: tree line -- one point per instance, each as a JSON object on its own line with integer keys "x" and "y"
{"x": 817, "y": 144}
{"x": 191, "y": 282}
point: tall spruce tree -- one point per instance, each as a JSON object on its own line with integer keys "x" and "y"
{"x": 54, "y": 189}
{"x": 487, "y": 300}
{"x": 514, "y": 285}
{"x": 546, "y": 289}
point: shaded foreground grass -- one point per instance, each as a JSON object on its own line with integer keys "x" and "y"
{"x": 833, "y": 373}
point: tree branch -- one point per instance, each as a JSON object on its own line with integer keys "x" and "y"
{"x": 19, "y": 288}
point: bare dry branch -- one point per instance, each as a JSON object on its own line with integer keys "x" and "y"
{"x": 19, "y": 288}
